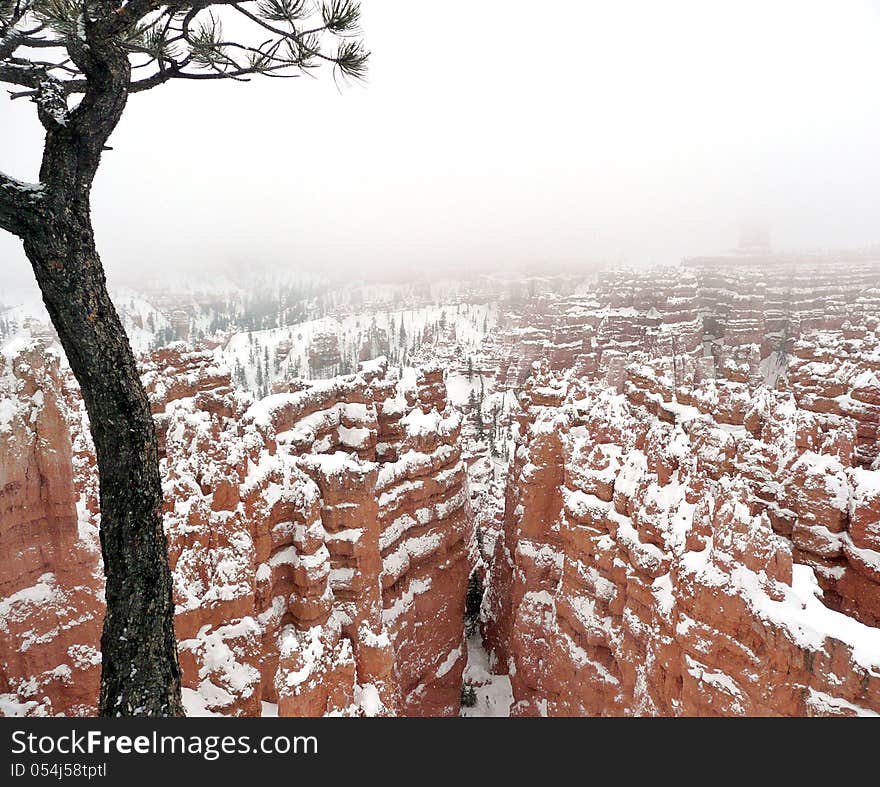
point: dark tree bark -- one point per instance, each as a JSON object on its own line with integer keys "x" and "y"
{"x": 140, "y": 673}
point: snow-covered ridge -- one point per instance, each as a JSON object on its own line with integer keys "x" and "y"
{"x": 284, "y": 581}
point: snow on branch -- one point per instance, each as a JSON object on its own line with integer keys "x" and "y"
{"x": 18, "y": 203}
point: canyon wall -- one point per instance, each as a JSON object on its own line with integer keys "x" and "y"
{"x": 691, "y": 522}
{"x": 50, "y": 588}
{"x": 318, "y": 540}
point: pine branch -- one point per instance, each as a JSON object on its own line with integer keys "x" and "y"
{"x": 289, "y": 11}
{"x": 18, "y": 204}
{"x": 49, "y": 93}
{"x": 173, "y": 41}
{"x": 341, "y": 16}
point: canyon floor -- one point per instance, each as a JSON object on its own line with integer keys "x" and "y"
{"x": 622, "y": 492}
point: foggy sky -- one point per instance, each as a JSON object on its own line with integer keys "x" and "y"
{"x": 501, "y": 133}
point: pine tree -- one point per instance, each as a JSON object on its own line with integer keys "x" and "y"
{"x": 468, "y": 695}
{"x": 259, "y": 381}
{"x": 473, "y": 602}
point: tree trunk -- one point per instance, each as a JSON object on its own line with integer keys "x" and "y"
{"x": 140, "y": 674}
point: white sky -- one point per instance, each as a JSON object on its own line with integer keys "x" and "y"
{"x": 499, "y": 132}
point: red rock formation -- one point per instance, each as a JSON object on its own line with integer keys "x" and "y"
{"x": 325, "y": 359}
{"x": 50, "y": 630}
{"x": 640, "y": 572}
{"x": 313, "y": 568}
{"x": 690, "y": 522}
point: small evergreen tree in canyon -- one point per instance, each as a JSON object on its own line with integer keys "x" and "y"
{"x": 474, "y": 597}
{"x": 78, "y": 62}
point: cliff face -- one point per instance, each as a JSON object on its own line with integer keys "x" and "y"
{"x": 691, "y": 519}
{"x": 737, "y": 318}
{"x": 315, "y": 567}
{"x": 49, "y": 633}
{"x": 658, "y": 558}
